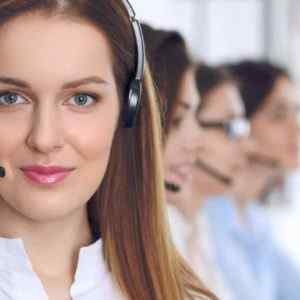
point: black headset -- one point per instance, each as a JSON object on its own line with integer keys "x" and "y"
{"x": 133, "y": 102}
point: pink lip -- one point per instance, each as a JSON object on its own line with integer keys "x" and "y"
{"x": 178, "y": 175}
{"x": 46, "y": 175}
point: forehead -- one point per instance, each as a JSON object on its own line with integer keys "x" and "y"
{"x": 48, "y": 50}
{"x": 284, "y": 93}
{"x": 223, "y": 101}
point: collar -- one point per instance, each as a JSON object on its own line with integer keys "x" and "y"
{"x": 90, "y": 272}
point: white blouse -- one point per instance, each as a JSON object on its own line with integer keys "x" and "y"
{"x": 203, "y": 261}
{"x": 18, "y": 281}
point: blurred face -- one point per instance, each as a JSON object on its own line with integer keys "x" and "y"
{"x": 183, "y": 139}
{"x": 275, "y": 125}
{"x": 49, "y": 117}
{"x": 219, "y": 151}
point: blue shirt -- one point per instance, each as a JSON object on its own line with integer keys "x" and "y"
{"x": 253, "y": 266}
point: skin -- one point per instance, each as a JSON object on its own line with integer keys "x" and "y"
{"x": 183, "y": 142}
{"x": 221, "y": 104}
{"x": 46, "y": 125}
{"x": 275, "y": 132}
{"x": 275, "y": 125}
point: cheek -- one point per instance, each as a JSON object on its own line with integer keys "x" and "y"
{"x": 171, "y": 148}
{"x": 12, "y": 131}
{"x": 218, "y": 148}
{"x": 93, "y": 141}
{"x": 270, "y": 137}
{"x": 266, "y": 133}
{"x": 209, "y": 186}
{"x": 87, "y": 146}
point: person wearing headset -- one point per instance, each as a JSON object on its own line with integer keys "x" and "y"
{"x": 254, "y": 266}
{"x": 174, "y": 75}
{"x": 271, "y": 102}
{"x": 81, "y": 188}
{"x": 221, "y": 115}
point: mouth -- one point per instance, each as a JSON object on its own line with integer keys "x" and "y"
{"x": 178, "y": 174}
{"x": 172, "y": 187}
{"x": 46, "y": 176}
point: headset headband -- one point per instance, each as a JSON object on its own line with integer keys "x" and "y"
{"x": 135, "y": 87}
{"x": 140, "y": 45}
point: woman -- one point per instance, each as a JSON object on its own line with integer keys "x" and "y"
{"x": 271, "y": 103}
{"x": 221, "y": 115}
{"x": 175, "y": 78}
{"x": 260, "y": 269}
{"x": 82, "y": 215}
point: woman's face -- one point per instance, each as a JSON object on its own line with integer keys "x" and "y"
{"x": 220, "y": 152}
{"x": 275, "y": 125}
{"x": 50, "y": 116}
{"x": 184, "y": 136}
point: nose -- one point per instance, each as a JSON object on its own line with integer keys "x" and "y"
{"x": 45, "y": 135}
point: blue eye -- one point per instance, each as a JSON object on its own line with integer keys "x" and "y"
{"x": 83, "y": 98}
{"x": 8, "y": 98}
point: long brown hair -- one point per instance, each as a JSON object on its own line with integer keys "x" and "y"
{"x": 127, "y": 208}
{"x": 168, "y": 60}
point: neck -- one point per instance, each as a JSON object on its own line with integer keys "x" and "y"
{"x": 52, "y": 246}
{"x": 240, "y": 202}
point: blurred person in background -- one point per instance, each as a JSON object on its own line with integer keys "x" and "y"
{"x": 271, "y": 101}
{"x": 174, "y": 75}
{"x": 221, "y": 114}
{"x": 253, "y": 265}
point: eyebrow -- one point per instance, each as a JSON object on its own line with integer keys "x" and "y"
{"x": 68, "y": 85}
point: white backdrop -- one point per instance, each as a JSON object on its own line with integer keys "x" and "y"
{"x": 210, "y": 26}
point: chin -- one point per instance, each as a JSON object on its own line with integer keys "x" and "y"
{"x": 47, "y": 210}
{"x": 172, "y": 198}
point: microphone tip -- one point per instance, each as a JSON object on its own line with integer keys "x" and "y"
{"x": 2, "y": 172}
{"x": 172, "y": 187}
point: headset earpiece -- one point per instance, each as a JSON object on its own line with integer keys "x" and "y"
{"x": 132, "y": 106}
{"x": 133, "y": 102}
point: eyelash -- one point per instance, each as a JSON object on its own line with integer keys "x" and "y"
{"x": 94, "y": 96}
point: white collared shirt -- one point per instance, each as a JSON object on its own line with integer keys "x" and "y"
{"x": 18, "y": 281}
{"x": 205, "y": 264}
